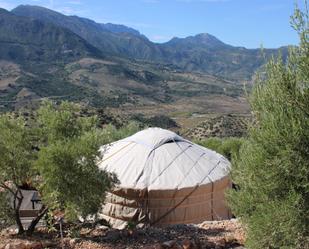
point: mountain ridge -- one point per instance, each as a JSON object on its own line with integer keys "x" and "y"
{"x": 121, "y": 71}
{"x": 202, "y": 52}
{"x": 25, "y": 39}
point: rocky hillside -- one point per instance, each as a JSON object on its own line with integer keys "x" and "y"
{"x": 208, "y": 235}
{"x": 106, "y": 37}
{"x": 220, "y": 126}
{"x": 202, "y": 52}
{"x": 45, "y": 54}
{"x": 23, "y": 40}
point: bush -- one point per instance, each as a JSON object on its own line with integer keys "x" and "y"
{"x": 228, "y": 147}
{"x": 56, "y": 154}
{"x": 161, "y": 121}
{"x": 6, "y": 212}
{"x": 272, "y": 169}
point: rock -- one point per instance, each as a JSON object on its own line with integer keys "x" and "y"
{"x": 33, "y": 245}
{"x": 208, "y": 244}
{"x": 73, "y": 242}
{"x": 169, "y": 244}
{"x": 47, "y": 244}
{"x": 221, "y": 243}
{"x": 101, "y": 227}
{"x": 16, "y": 245}
{"x": 157, "y": 246}
{"x": 188, "y": 244}
{"x": 172, "y": 244}
{"x": 113, "y": 235}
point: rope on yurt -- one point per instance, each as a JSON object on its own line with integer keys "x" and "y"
{"x": 187, "y": 196}
{"x": 212, "y": 183}
{"x": 166, "y": 168}
{"x": 212, "y": 200}
{"x": 104, "y": 159}
{"x": 173, "y": 208}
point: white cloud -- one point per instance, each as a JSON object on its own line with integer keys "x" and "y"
{"x": 160, "y": 38}
{"x": 7, "y": 5}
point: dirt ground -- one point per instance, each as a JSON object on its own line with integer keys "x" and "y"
{"x": 216, "y": 234}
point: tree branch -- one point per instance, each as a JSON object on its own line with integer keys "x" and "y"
{"x": 4, "y": 186}
{"x": 36, "y": 220}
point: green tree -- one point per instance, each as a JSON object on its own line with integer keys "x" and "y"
{"x": 228, "y": 147}
{"x": 17, "y": 156}
{"x": 272, "y": 170}
{"x": 111, "y": 133}
{"x": 71, "y": 181}
{"x": 57, "y": 155}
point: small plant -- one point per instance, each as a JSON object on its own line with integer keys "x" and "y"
{"x": 131, "y": 227}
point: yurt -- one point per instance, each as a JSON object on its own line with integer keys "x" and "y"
{"x": 164, "y": 179}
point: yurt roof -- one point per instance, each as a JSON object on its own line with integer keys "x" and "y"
{"x": 160, "y": 159}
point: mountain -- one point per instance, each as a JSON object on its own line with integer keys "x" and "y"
{"x": 107, "y": 38}
{"x": 206, "y": 53}
{"x": 200, "y": 40}
{"x": 201, "y": 53}
{"x": 24, "y": 39}
{"x": 50, "y": 55}
{"x": 118, "y": 28}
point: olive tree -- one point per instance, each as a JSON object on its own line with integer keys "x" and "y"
{"x": 272, "y": 169}
{"x": 57, "y": 155}
{"x": 16, "y": 166}
{"x": 71, "y": 182}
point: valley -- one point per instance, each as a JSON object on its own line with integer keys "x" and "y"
{"x": 116, "y": 68}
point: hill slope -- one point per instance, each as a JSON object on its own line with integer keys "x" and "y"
{"x": 111, "y": 39}
{"x": 202, "y": 52}
{"x": 42, "y": 59}
{"x": 23, "y": 39}
{"x": 206, "y": 53}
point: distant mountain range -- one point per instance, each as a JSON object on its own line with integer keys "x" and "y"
{"x": 25, "y": 39}
{"x": 203, "y": 52}
{"x": 45, "y": 54}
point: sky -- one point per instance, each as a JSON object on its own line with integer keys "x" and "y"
{"x": 247, "y": 23}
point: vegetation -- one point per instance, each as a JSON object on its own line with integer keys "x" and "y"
{"x": 114, "y": 134}
{"x": 229, "y": 147}
{"x": 17, "y": 156}
{"x": 47, "y": 42}
{"x": 202, "y": 52}
{"x": 59, "y": 40}
{"x": 272, "y": 170}
{"x": 53, "y": 155}
{"x": 161, "y": 121}
{"x": 223, "y": 126}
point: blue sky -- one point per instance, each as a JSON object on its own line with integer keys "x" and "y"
{"x": 248, "y": 23}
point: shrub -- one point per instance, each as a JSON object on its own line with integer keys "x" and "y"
{"x": 57, "y": 155}
{"x": 272, "y": 170}
{"x": 228, "y": 147}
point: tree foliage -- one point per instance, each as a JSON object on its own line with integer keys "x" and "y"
{"x": 272, "y": 170}
{"x": 17, "y": 156}
{"x": 229, "y": 147}
{"x": 57, "y": 155}
{"x": 71, "y": 180}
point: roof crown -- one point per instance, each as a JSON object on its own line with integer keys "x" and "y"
{"x": 154, "y": 137}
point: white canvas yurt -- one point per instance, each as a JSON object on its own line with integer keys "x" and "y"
{"x": 164, "y": 179}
